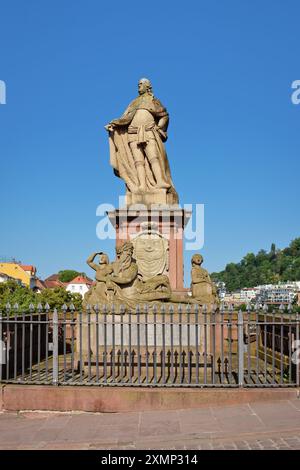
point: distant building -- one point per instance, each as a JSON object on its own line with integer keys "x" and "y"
{"x": 20, "y": 272}
{"x": 53, "y": 281}
{"x": 297, "y": 283}
{"x": 273, "y": 294}
{"x": 249, "y": 293}
{"x": 221, "y": 289}
{"x": 276, "y": 294}
{"x": 233, "y": 298}
{"x": 39, "y": 286}
{"x": 79, "y": 285}
{"x": 4, "y": 278}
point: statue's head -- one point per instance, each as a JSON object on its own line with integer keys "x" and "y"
{"x": 126, "y": 250}
{"x": 103, "y": 258}
{"x": 144, "y": 86}
{"x": 197, "y": 259}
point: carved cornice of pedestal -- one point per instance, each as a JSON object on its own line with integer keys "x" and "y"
{"x": 172, "y": 214}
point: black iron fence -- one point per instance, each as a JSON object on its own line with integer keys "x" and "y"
{"x": 164, "y": 345}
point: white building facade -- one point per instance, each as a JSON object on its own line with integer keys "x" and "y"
{"x": 80, "y": 285}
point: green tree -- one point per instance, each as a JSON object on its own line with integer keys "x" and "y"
{"x": 11, "y": 292}
{"x": 263, "y": 268}
{"x": 68, "y": 275}
{"x": 57, "y": 297}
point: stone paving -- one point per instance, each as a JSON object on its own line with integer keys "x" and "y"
{"x": 268, "y": 425}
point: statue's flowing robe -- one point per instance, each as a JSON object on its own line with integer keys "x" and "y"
{"x": 121, "y": 158}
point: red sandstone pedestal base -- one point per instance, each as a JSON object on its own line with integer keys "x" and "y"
{"x": 169, "y": 221}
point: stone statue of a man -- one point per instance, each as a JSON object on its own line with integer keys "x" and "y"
{"x": 137, "y": 152}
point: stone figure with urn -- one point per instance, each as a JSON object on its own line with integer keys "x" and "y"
{"x": 202, "y": 287}
{"x": 149, "y": 231}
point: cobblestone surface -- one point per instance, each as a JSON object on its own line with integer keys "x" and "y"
{"x": 259, "y": 426}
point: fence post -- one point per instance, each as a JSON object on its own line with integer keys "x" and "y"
{"x": 55, "y": 347}
{"x": 241, "y": 347}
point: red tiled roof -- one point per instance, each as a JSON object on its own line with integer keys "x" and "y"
{"x": 81, "y": 280}
{"x": 28, "y": 267}
{"x": 39, "y": 284}
{"x": 52, "y": 284}
{"x": 53, "y": 277}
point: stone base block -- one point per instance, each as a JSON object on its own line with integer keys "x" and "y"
{"x": 159, "y": 196}
{"x": 112, "y": 400}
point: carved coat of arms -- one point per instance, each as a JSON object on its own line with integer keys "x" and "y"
{"x": 150, "y": 253}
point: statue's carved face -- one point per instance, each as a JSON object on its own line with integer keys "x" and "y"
{"x": 103, "y": 259}
{"x": 197, "y": 259}
{"x": 125, "y": 255}
{"x": 143, "y": 86}
{"x": 124, "y": 251}
{"x": 150, "y": 247}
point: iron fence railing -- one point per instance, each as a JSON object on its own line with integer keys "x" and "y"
{"x": 165, "y": 345}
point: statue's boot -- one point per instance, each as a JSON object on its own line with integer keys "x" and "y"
{"x": 161, "y": 183}
{"x": 142, "y": 176}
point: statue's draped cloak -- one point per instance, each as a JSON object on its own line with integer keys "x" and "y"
{"x": 121, "y": 158}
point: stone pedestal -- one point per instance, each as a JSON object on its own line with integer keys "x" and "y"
{"x": 159, "y": 196}
{"x": 165, "y": 221}
{"x": 126, "y": 347}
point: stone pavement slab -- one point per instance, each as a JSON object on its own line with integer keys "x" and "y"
{"x": 268, "y": 425}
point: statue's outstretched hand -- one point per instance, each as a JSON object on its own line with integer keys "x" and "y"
{"x": 162, "y": 133}
{"x": 109, "y": 127}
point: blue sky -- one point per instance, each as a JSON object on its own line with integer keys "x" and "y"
{"x": 224, "y": 71}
